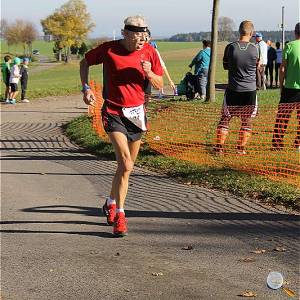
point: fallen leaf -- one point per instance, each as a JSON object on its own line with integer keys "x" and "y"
{"x": 157, "y": 274}
{"x": 289, "y": 292}
{"x": 189, "y": 247}
{"x": 279, "y": 249}
{"x": 259, "y": 251}
{"x": 247, "y": 259}
{"x": 248, "y": 294}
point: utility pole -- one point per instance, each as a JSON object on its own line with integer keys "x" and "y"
{"x": 211, "y": 91}
{"x": 282, "y": 26}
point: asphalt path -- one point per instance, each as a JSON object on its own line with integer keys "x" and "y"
{"x": 184, "y": 242}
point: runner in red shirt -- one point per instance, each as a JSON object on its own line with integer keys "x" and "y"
{"x": 127, "y": 63}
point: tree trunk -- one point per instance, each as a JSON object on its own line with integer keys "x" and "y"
{"x": 30, "y": 49}
{"x": 68, "y": 54}
{"x": 211, "y": 92}
{"x": 59, "y": 55}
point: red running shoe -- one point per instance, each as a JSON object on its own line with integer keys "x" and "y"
{"x": 120, "y": 225}
{"x": 110, "y": 212}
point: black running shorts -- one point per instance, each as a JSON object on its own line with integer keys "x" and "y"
{"x": 290, "y": 95}
{"x": 238, "y": 104}
{"x": 116, "y": 123}
{"x": 14, "y": 87}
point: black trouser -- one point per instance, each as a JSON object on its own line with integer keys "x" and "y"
{"x": 290, "y": 101}
{"x": 277, "y": 66}
{"x": 269, "y": 71}
{"x": 23, "y": 88}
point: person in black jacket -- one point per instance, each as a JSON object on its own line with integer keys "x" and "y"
{"x": 24, "y": 79}
{"x": 272, "y": 55}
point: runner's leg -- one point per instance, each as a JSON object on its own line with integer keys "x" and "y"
{"x": 134, "y": 148}
{"x": 125, "y": 166}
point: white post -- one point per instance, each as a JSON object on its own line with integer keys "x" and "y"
{"x": 282, "y": 26}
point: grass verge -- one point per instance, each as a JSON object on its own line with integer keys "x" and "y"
{"x": 238, "y": 183}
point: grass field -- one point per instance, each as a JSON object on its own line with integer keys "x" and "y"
{"x": 45, "y": 48}
{"x": 63, "y": 79}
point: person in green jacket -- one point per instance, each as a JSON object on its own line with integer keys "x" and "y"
{"x": 5, "y": 70}
{"x": 289, "y": 80}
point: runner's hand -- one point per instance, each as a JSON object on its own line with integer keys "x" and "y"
{"x": 146, "y": 65}
{"x": 89, "y": 97}
{"x": 173, "y": 86}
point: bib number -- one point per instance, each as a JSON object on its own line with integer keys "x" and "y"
{"x": 136, "y": 115}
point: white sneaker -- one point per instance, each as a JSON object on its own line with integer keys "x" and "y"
{"x": 25, "y": 101}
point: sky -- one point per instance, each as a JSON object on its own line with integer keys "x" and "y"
{"x": 165, "y": 17}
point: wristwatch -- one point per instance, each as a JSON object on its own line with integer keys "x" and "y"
{"x": 85, "y": 87}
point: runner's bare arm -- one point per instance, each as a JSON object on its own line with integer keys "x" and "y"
{"x": 173, "y": 86}
{"x": 156, "y": 80}
{"x": 88, "y": 95}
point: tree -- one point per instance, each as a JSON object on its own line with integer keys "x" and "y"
{"x": 19, "y": 32}
{"x": 28, "y": 35}
{"x": 12, "y": 33}
{"x": 74, "y": 49}
{"x": 3, "y": 28}
{"x": 226, "y": 29}
{"x": 57, "y": 50}
{"x": 83, "y": 49}
{"x": 69, "y": 24}
{"x": 211, "y": 93}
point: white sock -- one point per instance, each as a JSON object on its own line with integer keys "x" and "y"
{"x": 120, "y": 210}
{"x": 110, "y": 201}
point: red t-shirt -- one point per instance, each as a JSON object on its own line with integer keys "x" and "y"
{"x": 123, "y": 76}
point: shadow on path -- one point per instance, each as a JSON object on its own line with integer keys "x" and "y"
{"x": 231, "y": 216}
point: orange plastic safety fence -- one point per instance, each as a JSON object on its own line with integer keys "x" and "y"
{"x": 191, "y": 130}
{"x": 95, "y": 110}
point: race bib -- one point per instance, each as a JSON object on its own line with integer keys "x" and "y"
{"x": 136, "y": 115}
